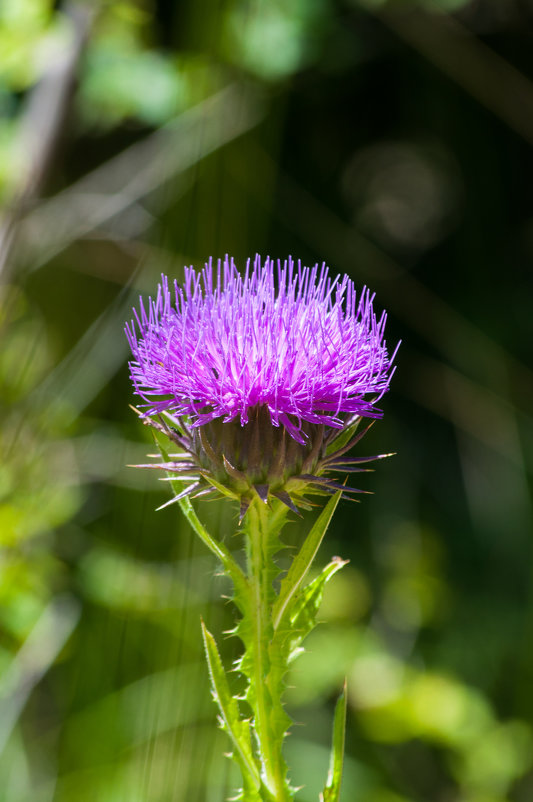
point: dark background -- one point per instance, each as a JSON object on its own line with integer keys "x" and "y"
{"x": 390, "y": 140}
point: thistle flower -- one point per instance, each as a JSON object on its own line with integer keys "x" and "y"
{"x": 261, "y": 379}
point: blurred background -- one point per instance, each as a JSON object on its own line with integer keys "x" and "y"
{"x": 392, "y": 140}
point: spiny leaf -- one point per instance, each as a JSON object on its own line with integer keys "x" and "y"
{"x": 302, "y": 562}
{"x": 234, "y": 571}
{"x": 237, "y": 729}
{"x": 303, "y": 614}
{"x": 240, "y": 583}
{"x": 296, "y": 623}
{"x": 332, "y": 789}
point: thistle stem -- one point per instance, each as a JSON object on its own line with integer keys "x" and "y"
{"x": 261, "y": 570}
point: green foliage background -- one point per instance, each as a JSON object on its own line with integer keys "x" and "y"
{"x": 391, "y": 140}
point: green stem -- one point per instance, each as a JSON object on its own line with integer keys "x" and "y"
{"x": 261, "y": 571}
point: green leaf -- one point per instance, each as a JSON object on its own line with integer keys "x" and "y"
{"x": 237, "y": 729}
{"x": 307, "y": 604}
{"x": 332, "y": 789}
{"x": 237, "y": 576}
{"x": 294, "y": 626}
{"x": 302, "y": 562}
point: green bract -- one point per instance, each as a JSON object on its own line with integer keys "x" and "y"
{"x": 259, "y": 460}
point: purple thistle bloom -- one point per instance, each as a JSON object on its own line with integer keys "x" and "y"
{"x": 286, "y": 337}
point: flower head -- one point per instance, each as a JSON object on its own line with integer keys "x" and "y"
{"x": 288, "y": 337}
{"x": 284, "y": 347}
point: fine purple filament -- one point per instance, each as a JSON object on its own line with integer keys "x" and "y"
{"x": 285, "y": 336}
